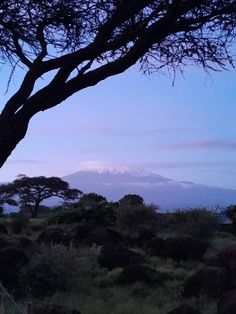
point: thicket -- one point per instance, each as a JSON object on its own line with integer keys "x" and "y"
{"x": 199, "y": 223}
{"x": 71, "y": 274}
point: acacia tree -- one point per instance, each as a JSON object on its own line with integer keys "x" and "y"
{"x": 82, "y": 42}
{"x": 31, "y": 191}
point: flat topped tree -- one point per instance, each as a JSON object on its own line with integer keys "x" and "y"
{"x": 33, "y": 190}
{"x": 82, "y": 42}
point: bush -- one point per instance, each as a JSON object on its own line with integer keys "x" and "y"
{"x": 91, "y": 199}
{"x": 3, "y": 229}
{"x": 50, "y": 271}
{"x": 199, "y": 223}
{"x": 230, "y": 212}
{"x": 128, "y": 217}
{"x": 98, "y": 213}
{"x": 130, "y": 200}
{"x": 19, "y": 222}
{"x": 69, "y": 217}
{"x": 59, "y": 214}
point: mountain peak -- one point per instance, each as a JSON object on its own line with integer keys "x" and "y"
{"x": 114, "y": 181}
{"x": 110, "y": 168}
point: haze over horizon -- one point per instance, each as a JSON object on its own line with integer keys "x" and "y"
{"x": 185, "y": 132}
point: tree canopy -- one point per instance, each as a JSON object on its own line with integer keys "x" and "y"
{"x": 131, "y": 200}
{"x": 92, "y": 199}
{"x": 82, "y": 42}
{"x": 6, "y": 196}
{"x": 31, "y": 191}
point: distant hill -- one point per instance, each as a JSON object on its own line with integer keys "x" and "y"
{"x": 115, "y": 182}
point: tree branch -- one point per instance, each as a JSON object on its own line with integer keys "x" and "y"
{"x": 19, "y": 52}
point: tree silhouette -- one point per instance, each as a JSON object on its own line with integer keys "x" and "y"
{"x": 131, "y": 200}
{"x": 82, "y": 42}
{"x": 6, "y": 196}
{"x": 92, "y": 199}
{"x": 31, "y": 191}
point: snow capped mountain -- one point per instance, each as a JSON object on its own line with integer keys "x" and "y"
{"x": 102, "y": 167}
{"x": 114, "y": 182}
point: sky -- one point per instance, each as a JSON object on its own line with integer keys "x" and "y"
{"x": 184, "y": 132}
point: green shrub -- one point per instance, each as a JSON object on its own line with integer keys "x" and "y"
{"x": 56, "y": 215}
{"x": 130, "y": 200}
{"x": 91, "y": 199}
{"x": 18, "y": 222}
{"x": 199, "y": 223}
{"x": 98, "y": 213}
{"x": 50, "y": 271}
{"x": 128, "y": 217}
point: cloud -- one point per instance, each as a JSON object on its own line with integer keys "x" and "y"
{"x": 147, "y": 168}
{"x": 110, "y": 131}
{"x": 27, "y": 161}
{"x": 94, "y": 150}
{"x": 189, "y": 164}
{"x": 209, "y": 144}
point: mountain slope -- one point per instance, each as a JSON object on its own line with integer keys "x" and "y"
{"x": 114, "y": 183}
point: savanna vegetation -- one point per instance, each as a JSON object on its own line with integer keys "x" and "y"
{"x": 92, "y": 256}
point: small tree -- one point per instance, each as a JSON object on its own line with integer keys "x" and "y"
{"x": 129, "y": 217}
{"x": 33, "y": 190}
{"x": 130, "y": 200}
{"x": 90, "y": 199}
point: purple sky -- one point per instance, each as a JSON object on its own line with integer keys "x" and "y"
{"x": 185, "y": 132}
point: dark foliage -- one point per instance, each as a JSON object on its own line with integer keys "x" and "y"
{"x": 54, "y": 236}
{"x": 80, "y": 233}
{"x": 139, "y": 272}
{"x": 199, "y": 223}
{"x": 18, "y": 222}
{"x": 225, "y": 258}
{"x": 6, "y": 196}
{"x": 65, "y": 217}
{"x": 130, "y": 200}
{"x": 118, "y": 256}
{"x": 88, "y": 235}
{"x": 91, "y": 199}
{"x": 210, "y": 281}
{"x": 43, "y": 279}
{"x": 227, "y": 303}
{"x": 230, "y": 212}
{"x": 98, "y": 214}
{"x": 12, "y": 260}
{"x": 129, "y": 217}
{"x": 6, "y": 242}
{"x": 184, "y": 309}
{"x": 3, "y": 229}
{"x": 178, "y": 247}
{"x": 54, "y": 309}
{"x": 50, "y": 270}
{"x": 141, "y": 235}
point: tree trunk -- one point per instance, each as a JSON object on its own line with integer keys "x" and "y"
{"x": 12, "y": 131}
{"x": 35, "y": 209}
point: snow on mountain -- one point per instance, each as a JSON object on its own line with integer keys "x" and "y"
{"x": 114, "y": 182}
{"x": 102, "y": 167}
